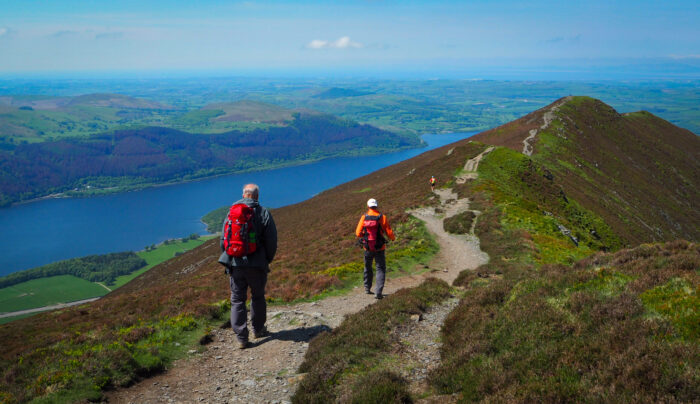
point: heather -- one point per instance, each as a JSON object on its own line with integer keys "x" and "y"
{"x": 552, "y": 317}
{"x": 636, "y": 171}
{"x": 560, "y": 313}
{"x": 614, "y": 327}
{"x": 355, "y": 360}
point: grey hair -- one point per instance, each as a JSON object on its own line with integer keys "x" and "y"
{"x": 251, "y": 189}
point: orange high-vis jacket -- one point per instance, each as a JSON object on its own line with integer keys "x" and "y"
{"x": 383, "y": 222}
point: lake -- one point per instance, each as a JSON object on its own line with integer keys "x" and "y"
{"x": 49, "y": 230}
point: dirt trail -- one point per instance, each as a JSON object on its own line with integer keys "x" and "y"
{"x": 266, "y": 372}
{"x": 547, "y": 117}
{"x": 46, "y": 308}
{"x": 471, "y": 166}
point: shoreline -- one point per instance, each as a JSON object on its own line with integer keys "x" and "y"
{"x": 435, "y": 139}
{"x": 117, "y": 190}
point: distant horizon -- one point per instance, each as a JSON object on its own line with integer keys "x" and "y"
{"x": 559, "y": 70}
{"x": 417, "y": 38}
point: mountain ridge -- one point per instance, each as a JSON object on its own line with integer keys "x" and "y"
{"x": 190, "y": 286}
{"x": 643, "y": 153}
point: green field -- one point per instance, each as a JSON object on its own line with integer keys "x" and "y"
{"x": 46, "y": 292}
{"x": 154, "y": 257}
{"x": 67, "y": 288}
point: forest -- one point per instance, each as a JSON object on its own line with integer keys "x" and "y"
{"x": 94, "y": 268}
{"x": 156, "y": 154}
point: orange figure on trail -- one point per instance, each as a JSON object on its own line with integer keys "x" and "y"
{"x": 433, "y": 181}
{"x": 371, "y": 231}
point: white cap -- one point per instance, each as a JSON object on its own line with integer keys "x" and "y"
{"x": 372, "y": 203}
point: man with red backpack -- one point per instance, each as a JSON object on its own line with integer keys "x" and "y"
{"x": 371, "y": 231}
{"x": 249, "y": 244}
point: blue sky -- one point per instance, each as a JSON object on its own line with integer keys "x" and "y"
{"x": 335, "y": 36}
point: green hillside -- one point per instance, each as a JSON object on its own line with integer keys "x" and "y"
{"x": 134, "y": 158}
{"x": 562, "y": 311}
{"x": 616, "y": 165}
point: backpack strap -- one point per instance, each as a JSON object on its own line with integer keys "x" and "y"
{"x": 257, "y": 219}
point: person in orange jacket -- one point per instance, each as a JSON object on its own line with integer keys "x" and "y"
{"x": 371, "y": 231}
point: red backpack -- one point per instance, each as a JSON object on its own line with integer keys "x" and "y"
{"x": 239, "y": 231}
{"x": 371, "y": 237}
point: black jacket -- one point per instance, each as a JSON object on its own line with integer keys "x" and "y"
{"x": 266, "y": 248}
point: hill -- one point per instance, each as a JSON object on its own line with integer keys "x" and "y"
{"x": 94, "y": 100}
{"x": 639, "y": 172}
{"x": 31, "y": 119}
{"x": 337, "y": 92}
{"x": 151, "y": 155}
{"x": 115, "y": 101}
{"x": 533, "y": 222}
{"x": 251, "y": 111}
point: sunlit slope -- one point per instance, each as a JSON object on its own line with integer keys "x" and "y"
{"x": 560, "y": 178}
{"x": 639, "y": 172}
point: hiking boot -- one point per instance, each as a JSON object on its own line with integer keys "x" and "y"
{"x": 243, "y": 344}
{"x": 379, "y": 296}
{"x": 369, "y": 292}
{"x": 261, "y": 334}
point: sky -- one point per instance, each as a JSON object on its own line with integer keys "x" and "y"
{"x": 426, "y": 37}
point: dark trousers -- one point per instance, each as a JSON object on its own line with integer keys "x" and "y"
{"x": 380, "y": 259}
{"x": 241, "y": 279}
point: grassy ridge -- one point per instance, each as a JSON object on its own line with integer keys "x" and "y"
{"x": 540, "y": 324}
{"x": 189, "y": 285}
{"x": 529, "y": 198}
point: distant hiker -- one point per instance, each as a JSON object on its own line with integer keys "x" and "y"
{"x": 433, "y": 181}
{"x": 370, "y": 231}
{"x": 249, "y": 243}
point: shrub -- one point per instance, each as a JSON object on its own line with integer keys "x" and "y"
{"x": 380, "y": 387}
{"x": 460, "y": 223}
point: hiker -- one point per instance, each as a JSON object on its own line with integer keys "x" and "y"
{"x": 249, "y": 243}
{"x": 370, "y": 232}
{"x": 432, "y": 183}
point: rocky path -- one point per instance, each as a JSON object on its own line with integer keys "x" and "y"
{"x": 266, "y": 372}
{"x": 547, "y": 119}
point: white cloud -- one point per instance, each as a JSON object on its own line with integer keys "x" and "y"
{"x": 317, "y": 44}
{"x": 341, "y": 43}
{"x": 5, "y": 32}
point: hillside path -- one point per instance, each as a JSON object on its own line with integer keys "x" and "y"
{"x": 547, "y": 118}
{"x": 267, "y": 372}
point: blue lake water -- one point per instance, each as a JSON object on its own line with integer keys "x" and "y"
{"x": 49, "y": 230}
